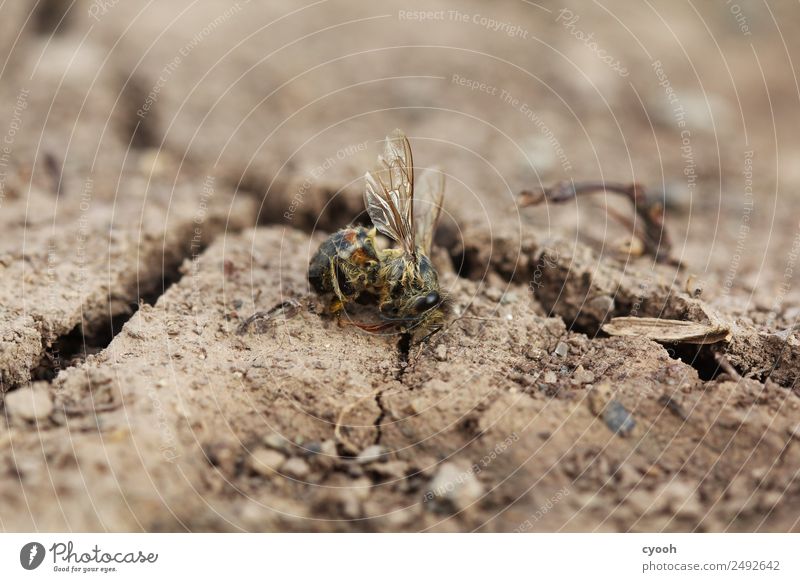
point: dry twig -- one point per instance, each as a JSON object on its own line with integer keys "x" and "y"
{"x": 653, "y": 236}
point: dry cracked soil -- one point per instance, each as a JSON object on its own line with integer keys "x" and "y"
{"x": 167, "y": 170}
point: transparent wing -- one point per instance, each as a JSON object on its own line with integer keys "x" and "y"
{"x": 389, "y": 196}
{"x": 428, "y": 207}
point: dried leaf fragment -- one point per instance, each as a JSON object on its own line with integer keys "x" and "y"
{"x": 668, "y": 330}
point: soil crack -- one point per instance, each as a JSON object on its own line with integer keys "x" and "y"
{"x": 379, "y": 420}
{"x": 87, "y": 338}
{"x": 403, "y": 349}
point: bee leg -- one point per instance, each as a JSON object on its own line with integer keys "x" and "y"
{"x": 425, "y": 339}
{"x": 336, "y": 307}
{"x": 337, "y": 304}
{"x": 434, "y": 330}
{"x": 286, "y": 310}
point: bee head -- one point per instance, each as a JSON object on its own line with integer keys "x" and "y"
{"x": 428, "y": 301}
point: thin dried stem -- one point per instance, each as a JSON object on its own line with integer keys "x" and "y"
{"x": 337, "y": 431}
{"x": 654, "y": 237}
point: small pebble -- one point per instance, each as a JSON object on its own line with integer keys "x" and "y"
{"x": 371, "y": 454}
{"x": 351, "y": 498}
{"x": 135, "y": 334}
{"x": 441, "y": 352}
{"x": 29, "y": 403}
{"x": 266, "y": 462}
{"x": 493, "y": 293}
{"x": 509, "y": 297}
{"x": 675, "y": 497}
{"x": 223, "y": 455}
{"x": 533, "y": 354}
{"x": 354, "y": 470}
{"x": 618, "y": 419}
{"x": 769, "y": 500}
{"x": 646, "y": 502}
{"x": 326, "y": 457}
{"x": 296, "y": 467}
{"x": 455, "y": 486}
{"x": 582, "y": 376}
{"x": 312, "y": 448}
{"x": 391, "y": 469}
{"x": 550, "y": 377}
{"x": 277, "y": 442}
{"x": 562, "y": 350}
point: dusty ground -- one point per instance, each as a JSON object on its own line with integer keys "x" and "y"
{"x": 167, "y": 170}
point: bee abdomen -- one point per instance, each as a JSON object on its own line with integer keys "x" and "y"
{"x": 342, "y": 260}
{"x": 319, "y": 274}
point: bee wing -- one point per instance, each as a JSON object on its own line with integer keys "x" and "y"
{"x": 428, "y": 207}
{"x": 389, "y": 196}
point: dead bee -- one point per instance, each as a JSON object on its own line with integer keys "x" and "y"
{"x": 403, "y": 280}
